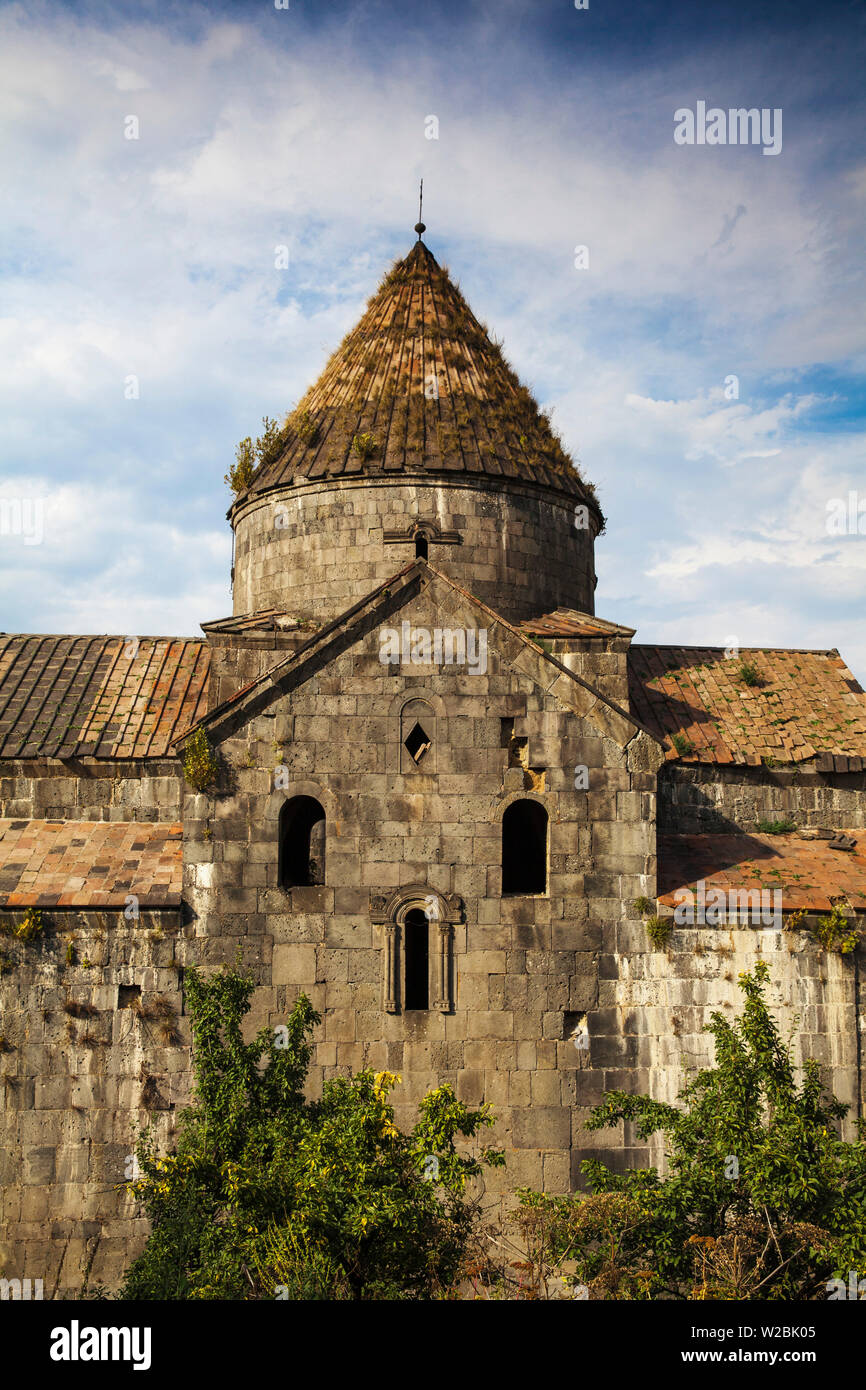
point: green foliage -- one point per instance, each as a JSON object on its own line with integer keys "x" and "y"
{"x": 776, "y": 827}
{"x": 749, "y": 673}
{"x": 834, "y": 932}
{"x": 240, "y": 473}
{"x": 250, "y": 456}
{"x": 200, "y": 766}
{"x": 364, "y": 445}
{"x": 270, "y": 1195}
{"x": 763, "y": 1200}
{"x": 30, "y": 925}
{"x": 306, "y": 428}
{"x": 683, "y": 745}
{"x": 659, "y": 931}
{"x": 642, "y": 907}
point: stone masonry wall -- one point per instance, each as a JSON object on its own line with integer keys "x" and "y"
{"x": 520, "y": 551}
{"x": 694, "y": 799}
{"x": 525, "y": 969}
{"x": 122, "y": 790}
{"x": 654, "y": 1004}
{"x": 601, "y": 661}
{"x": 82, "y": 1060}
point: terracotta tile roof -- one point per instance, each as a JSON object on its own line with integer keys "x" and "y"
{"x": 479, "y": 419}
{"x": 45, "y": 863}
{"x": 809, "y": 873}
{"x": 67, "y": 697}
{"x": 808, "y": 704}
{"x": 568, "y": 622}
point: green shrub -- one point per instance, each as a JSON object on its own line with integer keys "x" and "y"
{"x": 749, "y": 673}
{"x": 776, "y": 827}
{"x": 683, "y": 745}
{"x": 364, "y": 445}
{"x": 307, "y": 429}
{"x": 240, "y": 473}
{"x": 659, "y": 930}
{"x": 271, "y": 1195}
{"x": 762, "y": 1199}
{"x": 30, "y": 925}
{"x": 834, "y": 932}
{"x": 200, "y": 766}
{"x": 249, "y": 456}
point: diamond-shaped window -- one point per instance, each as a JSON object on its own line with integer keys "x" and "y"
{"x": 416, "y": 742}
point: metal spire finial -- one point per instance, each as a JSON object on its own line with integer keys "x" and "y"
{"x": 419, "y": 225}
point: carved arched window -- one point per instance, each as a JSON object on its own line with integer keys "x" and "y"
{"x": 418, "y": 931}
{"x": 301, "y": 843}
{"x": 416, "y": 960}
{"x": 524, "y": 848}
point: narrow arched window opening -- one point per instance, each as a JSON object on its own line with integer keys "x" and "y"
{"x": 416, "y": 954}
{"x": 420, "y": 545}
{"x": 524, "y": 848}
{"x": 301, "y": 843}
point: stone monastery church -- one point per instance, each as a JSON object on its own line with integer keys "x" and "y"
{"x": 496, "y": 841}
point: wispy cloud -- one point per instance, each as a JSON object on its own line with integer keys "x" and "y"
{"x": 154, "y": 258}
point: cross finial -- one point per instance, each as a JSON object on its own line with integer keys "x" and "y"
{"x": 419, "y": 225}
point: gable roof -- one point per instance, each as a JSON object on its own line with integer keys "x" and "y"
{"x": 459, "y": 607}
{"x": 807, "y": 705}
{"x": 74, "y": 697}
{"x": 420, "y": 378}
{"x": 569, "y": 622}
{"x": 50, "y": 863}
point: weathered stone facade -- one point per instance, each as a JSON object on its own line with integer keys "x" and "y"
{"x": 94, "y": 1042}
{"x": 714, "y": 799}
{"x": 442, "y": 782}
{"x": 523, "y": 968}
{"x": 314, "y": 548}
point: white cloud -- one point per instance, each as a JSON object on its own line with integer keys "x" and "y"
{"x": 156, "y": 257}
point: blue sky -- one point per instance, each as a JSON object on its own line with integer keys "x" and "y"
{"x": 306, "y": 127}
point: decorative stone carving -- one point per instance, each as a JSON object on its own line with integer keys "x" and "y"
{"x": 442, "y": 911}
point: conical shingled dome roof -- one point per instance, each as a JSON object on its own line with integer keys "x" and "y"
{"x": 418, "y": 387}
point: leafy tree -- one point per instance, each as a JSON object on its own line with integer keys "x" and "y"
{"x": 763, "y": 1199}
{"x": 271, "y": 1195}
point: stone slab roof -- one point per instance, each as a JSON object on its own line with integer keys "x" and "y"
{"x": 264, "y": 620}
{"x": 810, "y": 873}
{"x": 99, "y": 697}
{"x": 421, "y": 381}
{"x": 568, "y": 622}
{"x": 807, "y": 705}
{"x": 48, "y": 863}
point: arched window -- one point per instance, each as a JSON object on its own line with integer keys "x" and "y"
{"x": 420, "y": 545}
{"x": 302, "y": 843}
{"x": 524, "y": 848}
{"x": 416, "y": 957}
